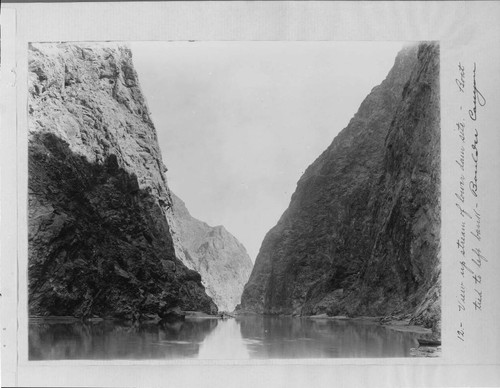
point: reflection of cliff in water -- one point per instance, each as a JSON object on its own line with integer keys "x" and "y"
{"x": 245, "y": 337}
{"x": 112, "y": 340}
{"x": 282, "y": 337}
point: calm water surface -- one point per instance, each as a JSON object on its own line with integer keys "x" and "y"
{"x": 241, "y": 338}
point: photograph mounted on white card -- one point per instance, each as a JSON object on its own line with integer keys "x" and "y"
{"x": 323, "y": 158}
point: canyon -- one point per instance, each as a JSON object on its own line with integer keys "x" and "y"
{"x": 108, "y": 238}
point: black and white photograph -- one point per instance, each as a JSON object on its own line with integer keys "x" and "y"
{"x": 249, "y": 193}
{"x": 234, "y": 200}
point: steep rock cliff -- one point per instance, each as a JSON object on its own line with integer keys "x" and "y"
{"x": 213, "y": 252}
{"x": 361, "y": 233}
{"x": 99, "y": 240}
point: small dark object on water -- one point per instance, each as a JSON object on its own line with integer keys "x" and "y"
{"x": 428, "y": 342}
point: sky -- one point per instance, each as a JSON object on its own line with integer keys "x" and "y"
{"x": 239, "y": 122}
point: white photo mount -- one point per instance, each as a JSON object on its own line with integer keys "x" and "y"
{"x": 469, "y": 36}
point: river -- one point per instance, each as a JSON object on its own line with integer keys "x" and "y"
{"x": 245, "y": 337}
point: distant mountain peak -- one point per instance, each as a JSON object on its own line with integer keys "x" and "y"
{"x": 216, "y": 254}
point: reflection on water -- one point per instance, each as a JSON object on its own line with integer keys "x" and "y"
{"x": 286, "y": 337}
{"x": 111, "y": 340}
{"x": 241, "y": 338}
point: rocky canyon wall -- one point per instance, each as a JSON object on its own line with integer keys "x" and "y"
{"x": 361, "y": 235}
{"x": 99, "y": 240}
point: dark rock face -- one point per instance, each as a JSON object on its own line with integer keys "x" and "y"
{"x": 99, "y": 240}
{"x": 213, "y": 252}
{"x": 362, "y": 233}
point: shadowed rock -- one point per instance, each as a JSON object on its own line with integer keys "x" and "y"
{"x": 361, "y": 234}
{"x": 100, "y": 245}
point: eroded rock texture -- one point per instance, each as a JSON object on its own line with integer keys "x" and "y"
{"x": 220, "y": 259}
{"x": 99, "y": 240}
{"x": 362, "y": 233}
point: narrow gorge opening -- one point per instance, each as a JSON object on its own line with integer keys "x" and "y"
{"x": 330, "y": 182}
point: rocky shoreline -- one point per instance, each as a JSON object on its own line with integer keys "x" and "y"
{"x": 178, "y": 315}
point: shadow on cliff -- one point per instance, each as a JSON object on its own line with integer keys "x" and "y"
{"x": 99, "y": 245}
